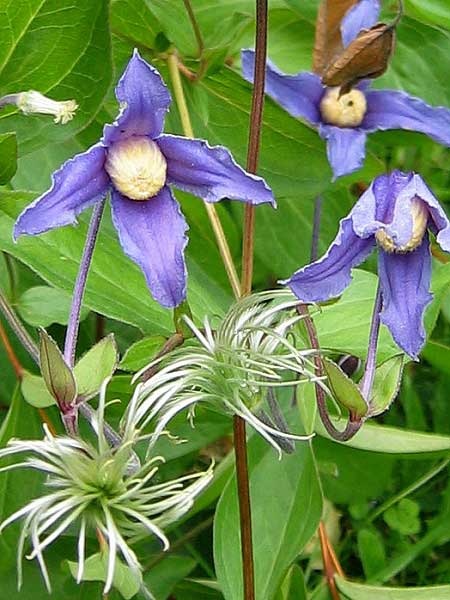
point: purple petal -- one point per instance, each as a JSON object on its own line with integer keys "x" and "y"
{"x": 299, "y": 95}
{"x": 329, "y": 276}
{"x": 361, "y": 16}
{"x": 440, "y": 222}
{"x": 388, "y": 109}
{"x": 210, "y": 172}
{"x": 145, "y": 99}
{"x": 405, "y": 284}
{"x": 153, "y": 234}
{"x": 78, "y": 184}
{"x": 346, "y": 148}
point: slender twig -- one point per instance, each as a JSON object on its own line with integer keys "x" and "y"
{"x": 195, "y": 27}
{"x": 173, "y": 342}
{"x": 327, "y": 560}
{"x": 254, "y": 139}
{"x": 221, "y": 239}
{"x": 18, "y": 369}
{"x": 316, "y": 227}
{"x": 371, "y": 361}
{"x": 245, "y": 515}
{"x": 353, "y": 424}
{"x": 80, "y": 284}
{"x": 24, "y": 337}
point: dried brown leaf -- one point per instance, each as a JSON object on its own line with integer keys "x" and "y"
{"x": 366, "y": 57}
{"x": 328, "y": 41}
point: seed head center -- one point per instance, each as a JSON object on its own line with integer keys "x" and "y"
{"x": 137, "y": 167}
{"x": 347, "y": 110}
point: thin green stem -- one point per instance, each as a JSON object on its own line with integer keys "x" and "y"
{"x": 195, "y": 26}
{"x": 186, "y": 124}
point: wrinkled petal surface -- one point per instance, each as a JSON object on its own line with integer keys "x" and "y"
{"x": 388, "y": 109}
{"x": 405, "y": 283}
{"x": 78, "y": 184}
{"x": 153, "y": 234}
{"x": 329, "y": 276}
{"x": 346, "y": 148}
{"x": 361, "y": 16}
{"x": 144, "y": 100}
{"x": 299, "y": 95}
{"x": 210, "y": 172}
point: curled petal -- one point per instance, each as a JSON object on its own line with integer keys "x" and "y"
{"x": 144, "y": 100}
{"x": 387, "y": 109}
{"x": 210, "y": 172}
{"x": 78, "y": 184}
{"x": 329, "y": 276}
{"x": 153, "y": 234}
{"x": 362, "y": 15}
{"x": 405, "y": 283}
{"x": 346, "y": 148}
{"x": 299, "y": 95}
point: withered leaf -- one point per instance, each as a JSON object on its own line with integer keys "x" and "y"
{"x": 366, "y": 57}
{"x": 328, "y": 40}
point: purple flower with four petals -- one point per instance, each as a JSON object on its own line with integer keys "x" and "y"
{"x": 135, "y": 161}
{"x": 395, "y": 214}
{"x": 345, "y": 121}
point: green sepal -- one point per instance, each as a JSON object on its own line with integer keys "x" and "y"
{"x": 386, "y": 384}
{"x": 345, "y": 391}
{"x": 58, "y": 376}
{"x": 96, "y": 366}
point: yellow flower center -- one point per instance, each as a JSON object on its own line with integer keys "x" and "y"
{"x": 419, "y": 214}
{"x": 345, "y": 111}
{"x": 137, "y": 167}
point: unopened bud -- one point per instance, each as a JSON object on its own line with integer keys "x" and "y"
{"x": 32, "y": 102}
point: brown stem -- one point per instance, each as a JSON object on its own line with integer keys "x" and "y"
{"x": 18, "y": 369}
{"x": 254, "y": 138}
{"x": 195, "y": 27}
{"x": 100, "y": 322}
{"x": 353, "y": 424}
{"x": 245, "y": 516}
{"x": 328, "y": 566}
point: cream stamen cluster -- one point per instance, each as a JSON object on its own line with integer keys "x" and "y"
{"x": 347, "y": 110}
{"x": 419, "y": 215}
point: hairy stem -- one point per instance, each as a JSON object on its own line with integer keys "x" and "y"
{"x": 254, "y": 139}
{"x": 216, "y": 225}
{"x": 371, "y": 362}
{"x": 80, "y": 284}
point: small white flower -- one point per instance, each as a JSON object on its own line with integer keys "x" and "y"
{"x": 252, "y": 350}
{"x": 93, "y": 486}
{"x": 33, "y": 102}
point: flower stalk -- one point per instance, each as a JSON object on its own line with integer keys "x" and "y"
{"x": 371, "y": 362}
{"x": 222, "y": 243}
{"x": 80, "y": 284}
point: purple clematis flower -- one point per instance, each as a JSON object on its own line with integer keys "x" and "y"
{"x": 136, "y": 162}
{"x": 394, "y": 213}
{"x": 345, "y": 122}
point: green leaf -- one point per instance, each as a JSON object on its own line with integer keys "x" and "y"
{"x": 371, "y": 551}
{"x": 403, "y": 517}
{"x": 359, "y": 591}
{"x": 35, "y": 391}
{"x": 42, "y": 306}
{"x": 116, "y": 286}
{"x": 8, "y": 157}
{"x": 17, "y": 487}
{"x": 392, "y": 440}
{"x": 438, "y": 355}
{"x": 96, "y": 366}
{"x": 133, "y": 20}
{"x": 288, "y": 490}
{"x": 61, "y": 50}
{"x": 125, "y": 580}
{"x": 293, "y": 586}
{"x": 163, "y": 577}
{"x": 433, "y": 11}
{"x": 345, "y": 391}
{"x": 141, "y": 353}
{"x": 57, "y": 374}
{"x": 386, "y": 384}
